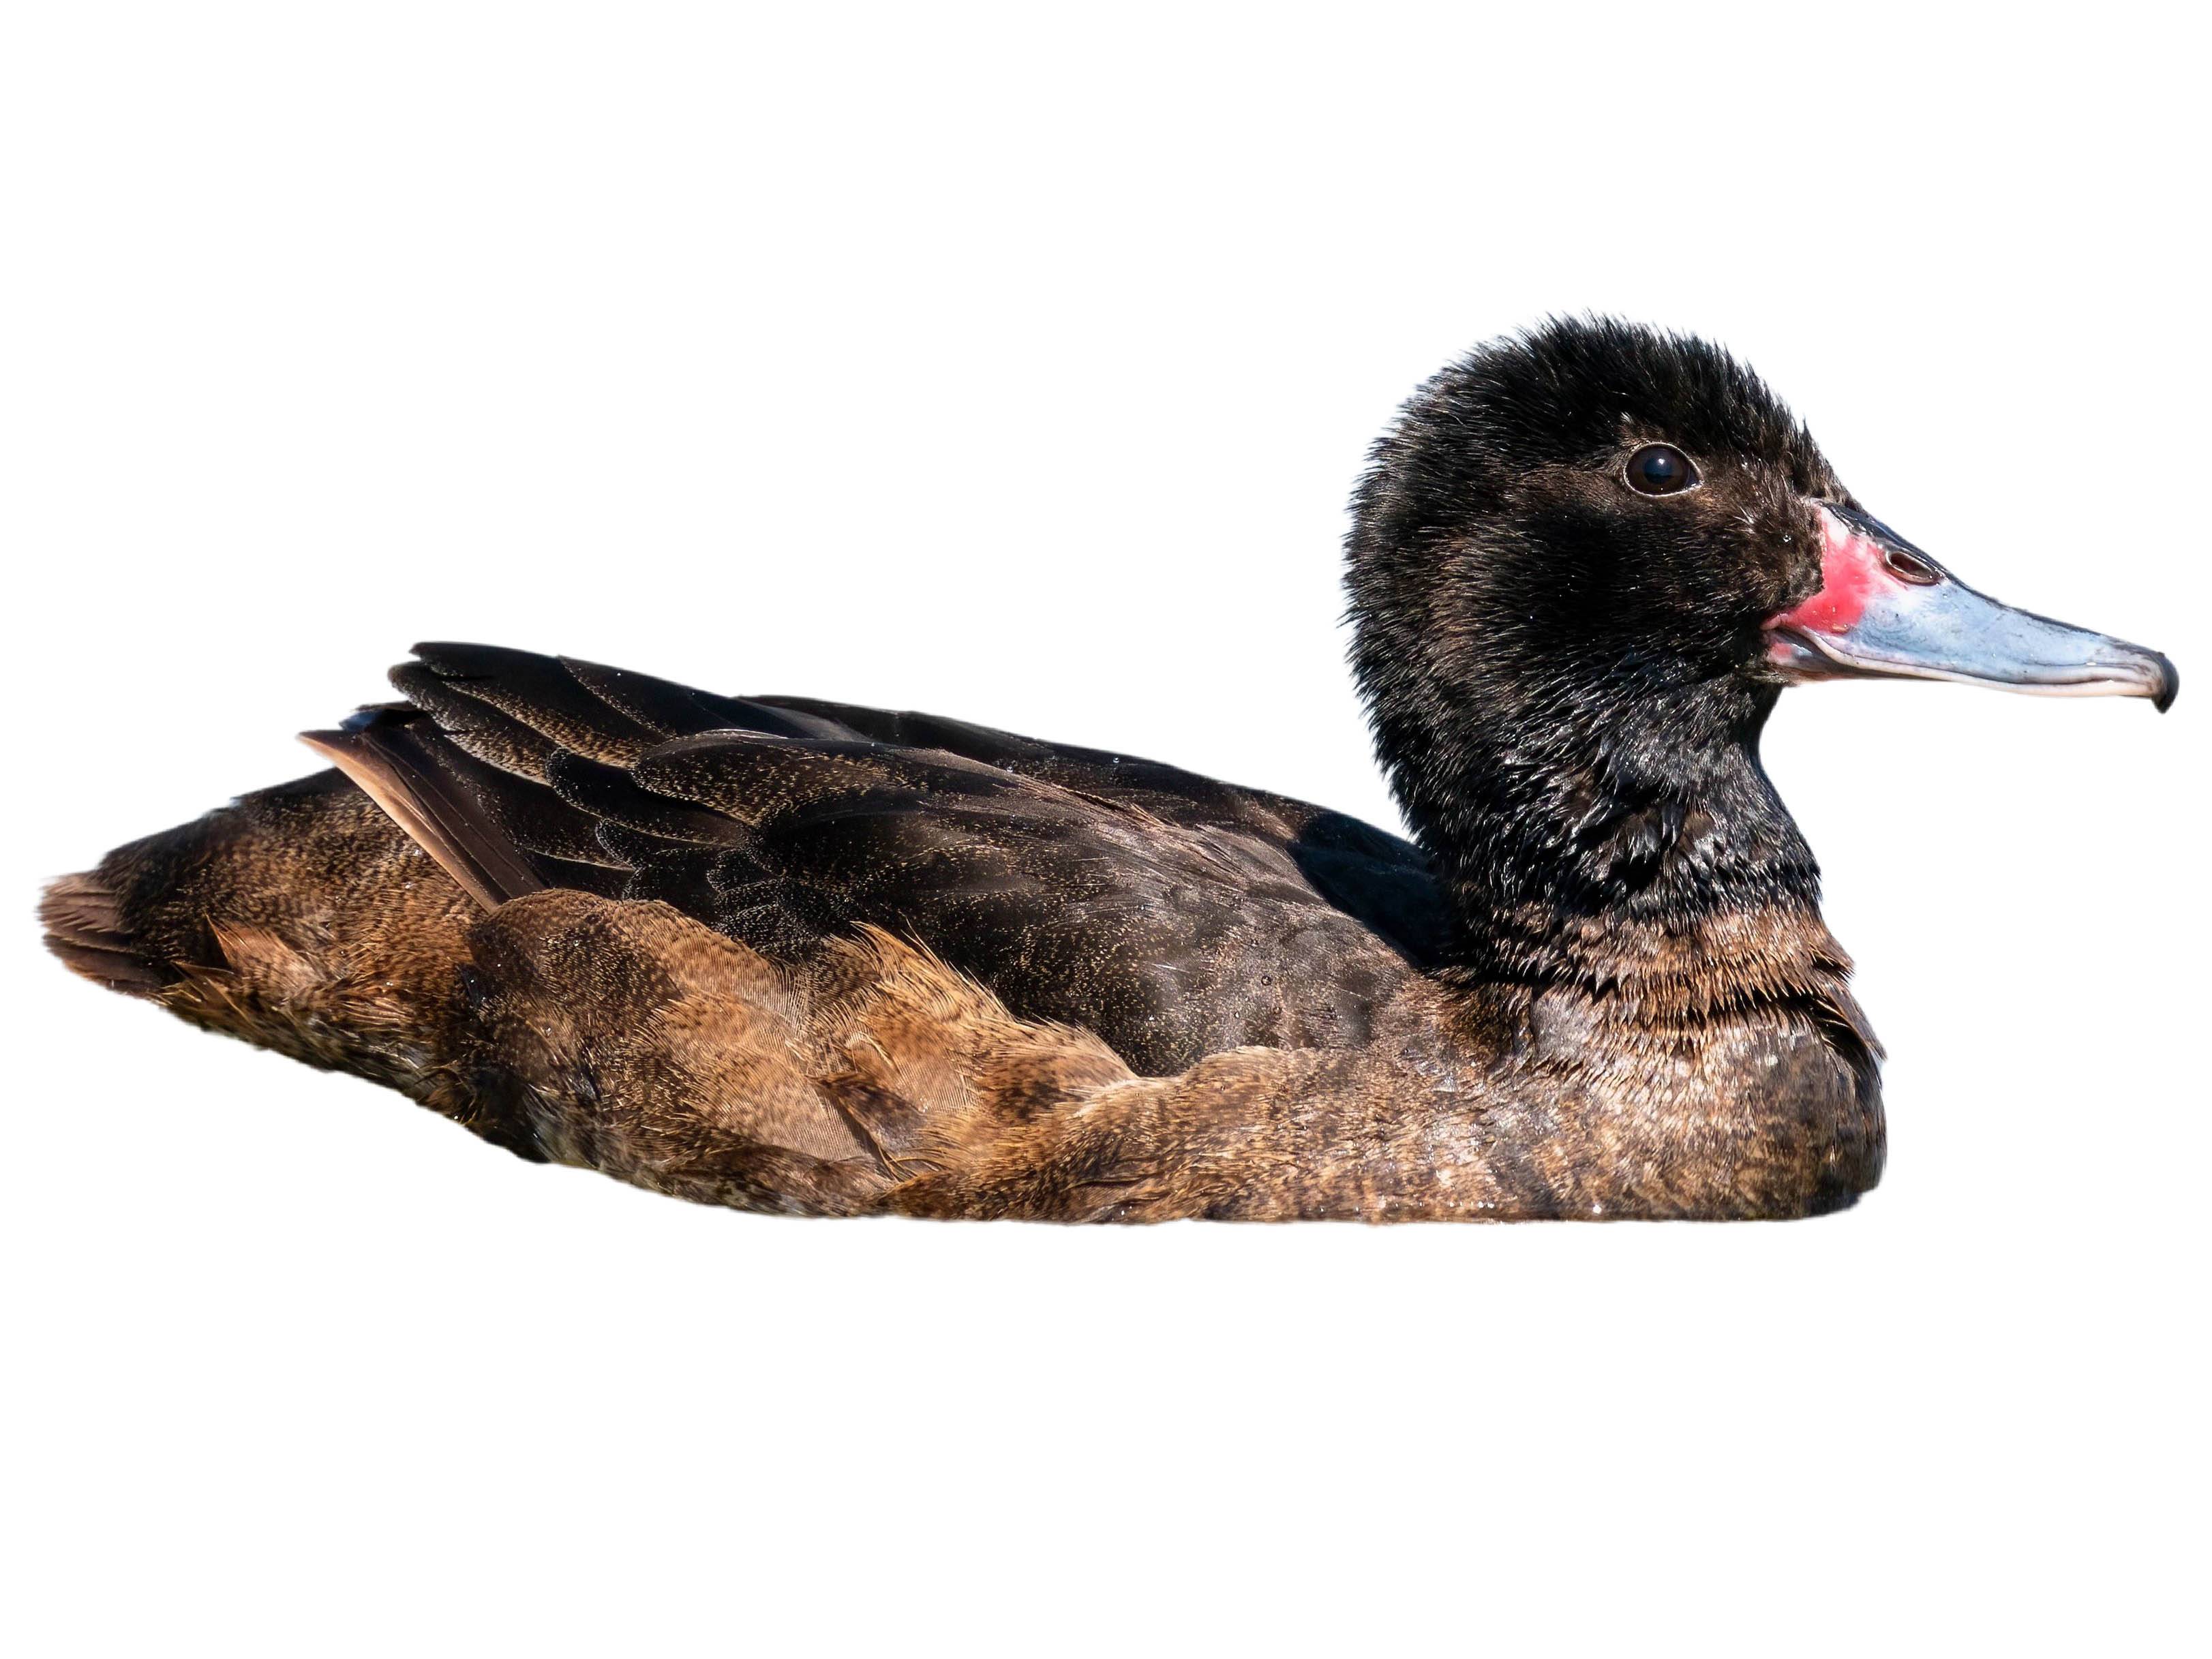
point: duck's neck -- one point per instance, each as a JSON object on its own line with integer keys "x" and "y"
{"x": 1633, "y": 848}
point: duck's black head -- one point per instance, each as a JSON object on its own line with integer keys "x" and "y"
{"x": 1582, "y": 566}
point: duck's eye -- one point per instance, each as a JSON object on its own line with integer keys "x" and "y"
{"x": 1660, "y": 469}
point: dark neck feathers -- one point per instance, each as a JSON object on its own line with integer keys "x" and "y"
{"x": 1572, "y": 845}
{"x": 1603, "y": 825}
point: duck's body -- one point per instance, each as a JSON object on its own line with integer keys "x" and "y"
{"x": 792, "y": 955}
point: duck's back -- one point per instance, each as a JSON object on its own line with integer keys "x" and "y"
{"x": 1172, "y": 915}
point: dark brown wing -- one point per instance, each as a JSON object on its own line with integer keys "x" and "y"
{"x": 1173, "y": 914}
{"x": 1381, "y": 880}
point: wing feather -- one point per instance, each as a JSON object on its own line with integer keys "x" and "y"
{"x": 1173, "y": 914}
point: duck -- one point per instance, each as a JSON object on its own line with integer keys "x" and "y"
{"x": 797, "y": 956}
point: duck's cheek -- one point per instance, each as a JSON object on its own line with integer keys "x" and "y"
{"x": 1852, "y": 573}
{"x": 1886, "y": 609}
{"x": 1852, "y": 577}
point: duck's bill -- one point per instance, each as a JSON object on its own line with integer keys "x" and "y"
{"x": 1885, "y": 608}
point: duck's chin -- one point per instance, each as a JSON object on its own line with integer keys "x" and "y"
{"x": 1791, "y": 658}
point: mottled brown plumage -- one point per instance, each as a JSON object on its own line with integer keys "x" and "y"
{"x": 792, "y": 956}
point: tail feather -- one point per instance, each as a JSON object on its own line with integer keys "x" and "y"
{"x": 300, "y": 917}
{"x": 86, "y": 928}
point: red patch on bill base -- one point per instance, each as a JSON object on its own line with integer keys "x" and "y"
{"x": 1851, "y": 571}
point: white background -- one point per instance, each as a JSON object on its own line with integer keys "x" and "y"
{"x": 1016, "y": 366}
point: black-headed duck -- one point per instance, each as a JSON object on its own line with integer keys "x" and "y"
{"x": 790, "y": 955}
